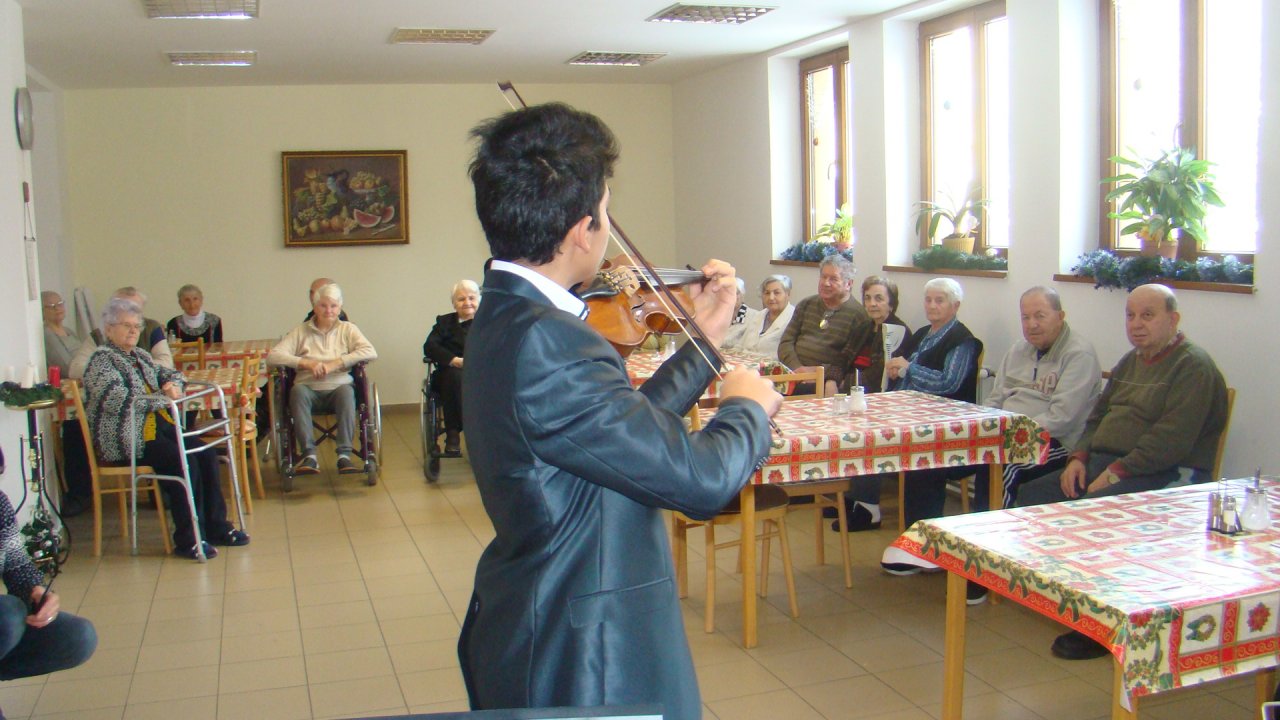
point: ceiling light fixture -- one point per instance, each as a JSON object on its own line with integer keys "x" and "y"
{"x": 201, "y": 9}
{"x": 230, "y": 58}
{"x": 428, "y": 36}
{"x": 624, "y": 59}
{"x": 722, "y": 14}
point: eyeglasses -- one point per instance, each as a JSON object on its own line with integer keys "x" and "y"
{"x": 58, "y": 304}
{"x": 129, "y": 326}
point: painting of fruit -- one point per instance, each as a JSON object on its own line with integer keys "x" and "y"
{"x": 345, "y": 198}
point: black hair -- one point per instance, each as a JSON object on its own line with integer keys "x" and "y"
{"x": 538, "y": 171}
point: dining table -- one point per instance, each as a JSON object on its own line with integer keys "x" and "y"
{"x": 231, "y": 353}
{"x": 904, "y": 430}
{"x": 642, "y": 364}
{"x": 1175, "y": 602}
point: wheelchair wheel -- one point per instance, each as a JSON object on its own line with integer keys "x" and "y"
{"x": 430, "y": 434}
{"x": 281, "y": 435}
{"x": 373, "y": 436}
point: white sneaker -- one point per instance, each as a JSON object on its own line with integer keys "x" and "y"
{"x": 897, "y": 561}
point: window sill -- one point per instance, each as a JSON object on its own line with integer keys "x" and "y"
{"x": 793, "y": 263}
{"x": 1233, "y": 288}
{"x": 997, "y": 274}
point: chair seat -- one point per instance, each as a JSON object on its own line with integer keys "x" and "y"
{"x": 768, "y": 497}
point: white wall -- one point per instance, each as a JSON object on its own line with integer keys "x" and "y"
{"x": 170, "y": 186}
{"x": 20, "y": 336}
{"x": 1054, "y": 135}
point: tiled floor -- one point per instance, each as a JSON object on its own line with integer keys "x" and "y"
{"x": 349, "y": 599}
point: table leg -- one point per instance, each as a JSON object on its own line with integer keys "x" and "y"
{"x": 953, "y": 654}
{"x": 747, "y": 498}
{"x": 1265, "y": 684}
{"x": 995, "y": 478}
{"x": 1117, "y": 694}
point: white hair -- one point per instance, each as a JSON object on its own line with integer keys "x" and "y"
{"x": 783, "y": 280}
{"x": 331, "y": 291}
{"x": 464, "y": 284}
{"x": 117, "y": 307}
{"x": 947, "y": 287}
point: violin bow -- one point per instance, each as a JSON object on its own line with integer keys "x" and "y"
{"x": 667, "y": 298}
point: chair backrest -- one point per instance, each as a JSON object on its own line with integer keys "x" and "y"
{"x": 73, "y": 390}
{"x": 184, "y": 352}
{"x": 817, "y": 377}
{"x": 247, "y": 395}
{"x": 1222, "y": 439}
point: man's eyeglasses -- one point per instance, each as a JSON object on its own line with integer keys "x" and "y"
{"x": 131, "y": 326}
{"x": 58, "y": 304}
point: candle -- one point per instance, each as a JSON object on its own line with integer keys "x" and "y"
{"x": 29, "y": 376}
{"x": 55, "y": 376}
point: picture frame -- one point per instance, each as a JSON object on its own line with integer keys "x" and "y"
{"x": 345, "y": 197}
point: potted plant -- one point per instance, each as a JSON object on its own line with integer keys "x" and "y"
{"x": 839, "y": 230}
{"x": 962, "y": 219}
{"x": 1170, "y": 193}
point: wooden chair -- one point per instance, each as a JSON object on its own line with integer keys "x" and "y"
{"x": 244, "y": 426}
{"x": 186, "y": 352}
{"x": 1222, "y": 439}
{"x": 112, "y": 479}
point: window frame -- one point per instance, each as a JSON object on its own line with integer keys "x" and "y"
{"x": 1192, "y": 114}
{"x": 838, "y": 60}
{"x": 975, "y": 18}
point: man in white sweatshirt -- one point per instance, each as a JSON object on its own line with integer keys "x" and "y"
{"x": 322, "y": 349}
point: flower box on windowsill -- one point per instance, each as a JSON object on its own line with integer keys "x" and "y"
{"x": 814, "y": 251}
{"x": 939, "y": 257}
{"x": 1107, "y": 270}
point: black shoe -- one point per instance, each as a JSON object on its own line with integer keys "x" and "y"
{"x": 73, "y": 505}
{"x": 307, "y": 466}
{"x": 210, "y": 552}
{"x": 974, "y": 594}
{"x": 859, "y": 520}
{"x": 1078, "y": 646}
{"x": 346, "y": 466}
{"x": 233, "y": 538}
{"x": 452, "y": 444}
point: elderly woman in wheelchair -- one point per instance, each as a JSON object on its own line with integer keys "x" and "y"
{"x": 444, "y": 347}
{"x": 322, "y": 350}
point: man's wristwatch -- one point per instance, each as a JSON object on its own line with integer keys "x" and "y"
{"x": 1112, "y": 478}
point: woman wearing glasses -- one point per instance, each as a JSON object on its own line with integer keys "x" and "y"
{"x": 120, "y": 371}
{"x": 60, "y": 342}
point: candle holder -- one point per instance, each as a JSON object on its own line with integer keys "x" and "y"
{"x": 47, "y": 541}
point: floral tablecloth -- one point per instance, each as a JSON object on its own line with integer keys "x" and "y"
{"x": 899, "y": 431}
{"x": 642, "y": 364}
{"x": 231, "y": 354}
{"x": 1176, "y": 603}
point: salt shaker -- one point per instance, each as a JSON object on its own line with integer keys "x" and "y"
{"x": 1257, "y": 513}
{"x": 839, "y": 404}
{"x": 857, "y": 399}
{"x": 1230, "y": 516}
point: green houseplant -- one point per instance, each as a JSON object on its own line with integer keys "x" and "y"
{"x": 1170, "y": 193}
{"x": 840, "y": 230}
{"x": 962, "y": 218}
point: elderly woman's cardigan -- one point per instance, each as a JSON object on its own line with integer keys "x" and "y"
{"x": 111, "y": 380}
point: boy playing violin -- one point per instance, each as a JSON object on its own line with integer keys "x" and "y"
{"x": 574, "y": 601}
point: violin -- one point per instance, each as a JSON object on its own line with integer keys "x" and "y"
{"x": 625, "y": 305}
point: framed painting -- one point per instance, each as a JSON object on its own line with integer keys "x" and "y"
{"x": 353, "y": 197}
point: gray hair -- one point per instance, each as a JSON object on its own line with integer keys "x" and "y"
{"x": 947, "y": 287}
{"x": 841, "y": 263}
{"x": 1170, "y": 300}
{"x": 783, "y": 280}
{"x": 464, "y": 284}
{"x": 1050, "y": 295}
{"x": 189, "y": 288}
{"x": 131, "y": 291}
{"x": 116, "y": 308}
{"x": 331, "y": 291}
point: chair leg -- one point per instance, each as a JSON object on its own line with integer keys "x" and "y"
{"x": 768, "y": 529}
{"x": 842, "y": 521}
{"x": 964, "y": 494}
{"x": 819, "y": 502}
{"x": 244, "y": 467}
{"x": 97, "y": 524}
{"x": 680, "y": 551}
{"x": 165, "y": 536}
{"x": 257, "y": 468}
{"x": 902, "y": 505}
{"x": 709, "y": 614}
{"x": 124, "y": 516}
{"x": 787, "y": 571}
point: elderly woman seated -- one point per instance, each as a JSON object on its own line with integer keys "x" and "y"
{"x": 940, "y": 358}
{"x": 760, "y": 330}
{"x": 444, "y": 347}
{"x": 118, "y": 373}
{"x": 194, "y": 323}
{"x": 322, "y": 350}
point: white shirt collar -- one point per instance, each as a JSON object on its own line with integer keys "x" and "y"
{"x": 561, "y": 298}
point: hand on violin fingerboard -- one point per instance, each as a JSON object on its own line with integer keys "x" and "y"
{"x": 716, "y": 300}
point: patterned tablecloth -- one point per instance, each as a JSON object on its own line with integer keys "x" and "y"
{"x": 231, "y": 354}
{"x": 642, "y": 364}
{"x": 228, "y": 378}
{"x": 1176, "y": 603}
{"x": 900, "y": 431}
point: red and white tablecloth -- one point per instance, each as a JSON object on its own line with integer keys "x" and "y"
{"x": 231, "y": 353}
{"x": 642, "y": 364}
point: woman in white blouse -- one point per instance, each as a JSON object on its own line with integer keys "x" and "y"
{"x": 761, "y": 330}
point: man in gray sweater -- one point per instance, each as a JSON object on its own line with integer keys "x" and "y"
{"x": 1161, "y": 413}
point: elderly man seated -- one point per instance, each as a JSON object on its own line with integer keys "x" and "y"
{"x": 829, "y": 328}
{"x": 322, "y": 350}
{"x": 152, "y": 339}
{"x": 1162, "y": 411}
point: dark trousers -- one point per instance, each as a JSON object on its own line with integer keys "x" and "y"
{"x": 26, "y": 651}
{"x": 1048, "y": 489}
{"x": 75, "y": 463}
{"x": 925, "y": 493}
{"x": 449, "y": 383}
{"x": 211, "y": 509}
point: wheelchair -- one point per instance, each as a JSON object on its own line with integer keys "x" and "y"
{"x": 431, "y": 409}
{"x": 368, "y": 431}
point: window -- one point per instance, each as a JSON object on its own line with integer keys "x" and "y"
{"x": 1202, "y": 92}
{"x": 824, "y": 89}
{"x": 964, "y": 64}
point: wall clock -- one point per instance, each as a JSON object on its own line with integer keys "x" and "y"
{"x": 22, "y": 118}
